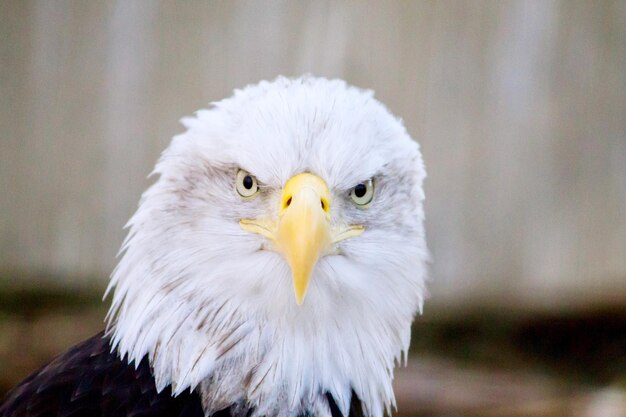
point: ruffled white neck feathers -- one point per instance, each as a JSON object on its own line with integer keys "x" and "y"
{"x": 216, "y": 314}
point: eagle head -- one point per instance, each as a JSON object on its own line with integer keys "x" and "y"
{"x": 279, "y": 258}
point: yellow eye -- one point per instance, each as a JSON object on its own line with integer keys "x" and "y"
{"x": 246, "y": 184}
{"x": 363, "y": 193}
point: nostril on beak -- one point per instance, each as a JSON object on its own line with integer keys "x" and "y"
{"x": 287, "y": 203}
{"x": 325, "y": 206}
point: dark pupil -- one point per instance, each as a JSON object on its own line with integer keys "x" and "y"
{"x": 248, "y": 182}
{"x": 360, "y": 190}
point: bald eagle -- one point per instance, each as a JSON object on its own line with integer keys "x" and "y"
{"x": 273, "y": 269}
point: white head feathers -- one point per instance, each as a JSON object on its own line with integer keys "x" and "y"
{"x": 216, "y": 313}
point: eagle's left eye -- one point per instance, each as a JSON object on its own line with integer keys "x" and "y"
{"x": 363, "y": 193}
{"x": 246, "y": 184}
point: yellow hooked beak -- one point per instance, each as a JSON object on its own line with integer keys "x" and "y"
{"x": 303, "y": 232}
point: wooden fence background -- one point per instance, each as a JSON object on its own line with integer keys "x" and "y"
{"x": 520, "y": 107}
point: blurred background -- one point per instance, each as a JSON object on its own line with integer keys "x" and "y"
{"x": 520, "y": 108}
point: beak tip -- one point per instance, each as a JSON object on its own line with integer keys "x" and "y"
{"x": 300, "y": 299}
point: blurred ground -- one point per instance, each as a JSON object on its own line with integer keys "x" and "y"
{"x": 480, "y": 364}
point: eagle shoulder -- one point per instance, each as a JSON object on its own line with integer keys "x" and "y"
{"x": 90, "y": 380}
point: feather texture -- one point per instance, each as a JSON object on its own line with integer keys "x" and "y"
{"x": 211, "y": 306}
{"x": 89, "y": 380}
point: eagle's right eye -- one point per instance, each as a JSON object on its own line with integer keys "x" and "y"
{"x": 246, "y": 184}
